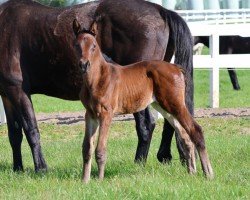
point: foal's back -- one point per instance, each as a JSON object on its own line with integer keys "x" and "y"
{"x": 141, "y": 83}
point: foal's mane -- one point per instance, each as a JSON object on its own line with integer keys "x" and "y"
{"x": 87, "y": 31}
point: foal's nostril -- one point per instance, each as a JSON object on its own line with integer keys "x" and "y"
{"x": 84, "y": 66}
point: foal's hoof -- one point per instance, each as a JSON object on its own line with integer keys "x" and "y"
{"x": 85, "y": 181}
{"x": 209, "y": 176}
{"x": 41, "y": 169}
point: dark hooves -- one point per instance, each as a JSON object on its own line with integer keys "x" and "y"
{"x": 164, "y": 159}
{"x": 18, "y": 168}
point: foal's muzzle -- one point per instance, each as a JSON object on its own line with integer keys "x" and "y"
{"x": 84, "y": 66}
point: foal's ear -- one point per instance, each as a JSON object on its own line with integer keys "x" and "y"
{"x": 76, "y": 27}
{"x": 94, "y": 29}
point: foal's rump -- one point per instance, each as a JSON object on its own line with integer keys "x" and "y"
{"x": 169, "y": 83}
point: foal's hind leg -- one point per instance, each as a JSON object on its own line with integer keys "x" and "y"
{"x": 15, "y": 133}
{"x": 196, "y": 135}
{"x": 22, "y": 104}
{"x": 182, "y": 136}
{"x": 91, "y": 126}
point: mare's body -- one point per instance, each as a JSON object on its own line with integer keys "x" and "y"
{"x": 110, "y": 89}
{"x": 229, "y": 45}
{"x": 37, "y": 56}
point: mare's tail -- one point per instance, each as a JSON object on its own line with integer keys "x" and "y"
{"x": 181, "y": 42}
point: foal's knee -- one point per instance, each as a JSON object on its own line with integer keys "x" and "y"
{"x": 100, "y": 156}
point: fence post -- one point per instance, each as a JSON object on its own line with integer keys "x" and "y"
{"x": 214, "y": 73}
{"x": 156, "y": 1}
{"x": 2, "y": 113}
{"x": 213, "y": 4}
{"x": 195, "y": 5}
{"x": 169, "y": 4}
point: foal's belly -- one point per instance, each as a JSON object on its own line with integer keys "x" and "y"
{"x": 133, "y": 102}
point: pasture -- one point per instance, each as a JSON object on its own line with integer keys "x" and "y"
{"x": 227, "y": 140}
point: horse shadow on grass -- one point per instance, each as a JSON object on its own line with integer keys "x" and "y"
{"x": 73, "y": 173}
{"x": 72, "y": 120}
{"x": 5, "y": 166}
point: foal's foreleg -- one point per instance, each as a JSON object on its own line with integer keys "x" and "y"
{"x": 101, "y": 149}
{"x": 91, "y": 127}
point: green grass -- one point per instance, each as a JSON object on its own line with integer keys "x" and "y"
{"x": 228, "y": 143}
{"x": 47, "y": 104}
{"x": 228, "y": 97}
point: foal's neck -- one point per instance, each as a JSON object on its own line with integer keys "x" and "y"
{"x": 99, "y": 71}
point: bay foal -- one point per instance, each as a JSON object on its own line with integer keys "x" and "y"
{"x": 110, "y": 89}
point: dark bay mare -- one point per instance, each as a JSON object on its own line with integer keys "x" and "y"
{"x": 229, "y": 45}
{"x": 110, "y": 89}
{"x": 37, "y": 56}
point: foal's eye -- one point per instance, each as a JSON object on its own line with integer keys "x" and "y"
{"x": 78, "y": 47}
{"x": 93, "y": 47}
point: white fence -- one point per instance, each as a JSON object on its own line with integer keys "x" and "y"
{"x": 221, "y": 16}
{"x": 2, "y": 113}
{"x": 214, "y": 61}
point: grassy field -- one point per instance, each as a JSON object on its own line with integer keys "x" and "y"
{"x": 228, "y": 144}
{"x": 228, "y": 97}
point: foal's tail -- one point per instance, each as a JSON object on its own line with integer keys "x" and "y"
{"x": 181, "y": 43}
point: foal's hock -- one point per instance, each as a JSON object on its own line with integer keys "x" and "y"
{"x": 110, "y": 89}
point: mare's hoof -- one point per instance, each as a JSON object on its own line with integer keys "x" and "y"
{"x": 165, "y": 159}
{"x": 18, "y": 169}
{"x": 141, "y": 161}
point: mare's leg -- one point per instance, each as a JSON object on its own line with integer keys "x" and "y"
{"x": 22, "y": 105}
{"x": 145, "y": 125}
{"x": 15, "y": 133}
{"x": 91, "y": 126}
{"x": 101, "y": 149}
{"x": 233, "y": 78}
{"x": 164, "y": 154}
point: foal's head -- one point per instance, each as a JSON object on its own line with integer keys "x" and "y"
{"x": 87, "y": 48}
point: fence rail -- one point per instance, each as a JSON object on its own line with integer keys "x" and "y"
{"x": 221, "y": 16}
